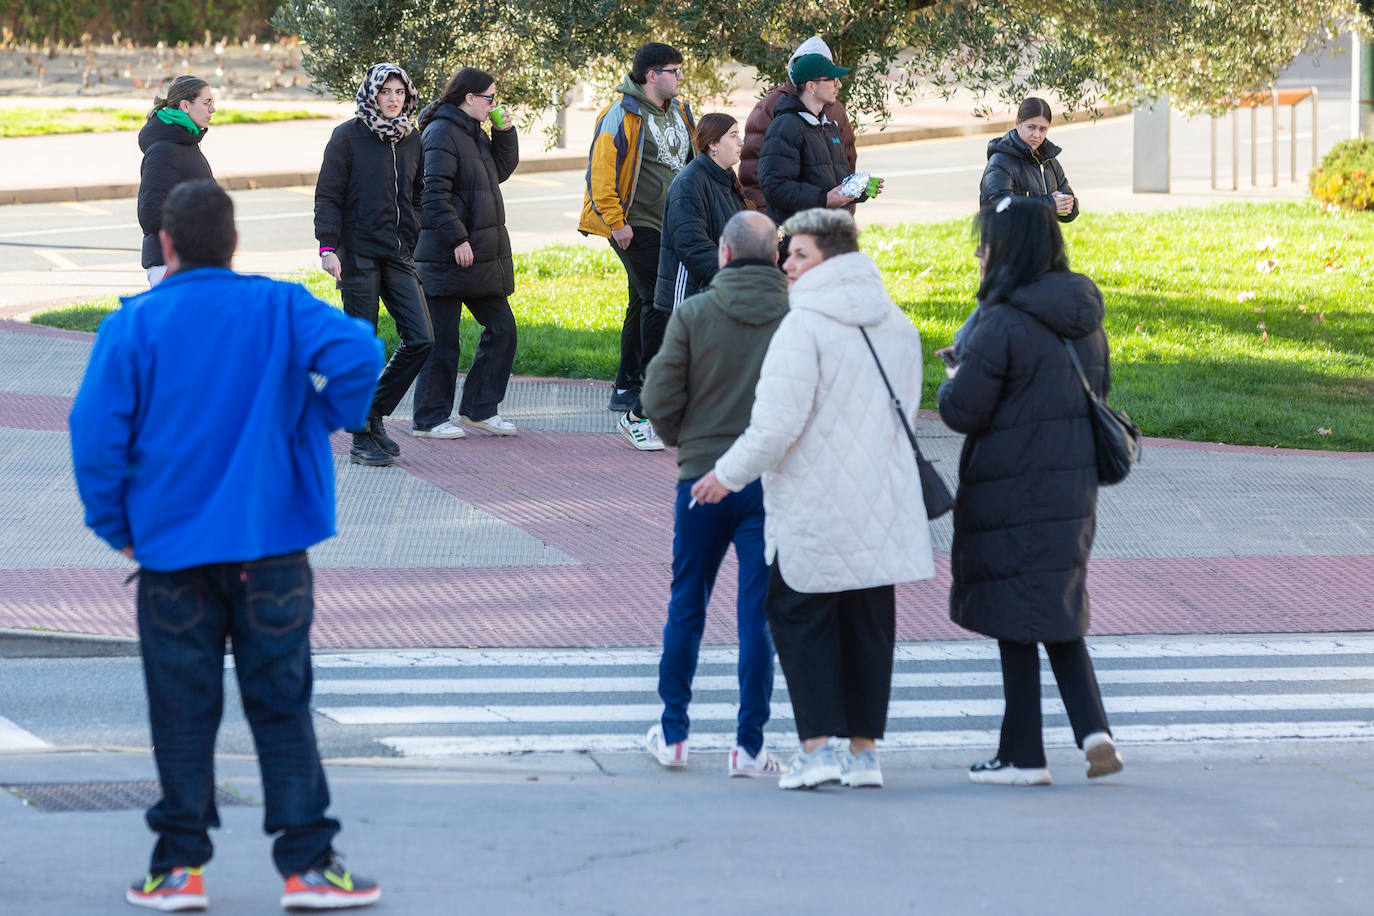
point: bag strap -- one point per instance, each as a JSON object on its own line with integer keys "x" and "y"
{"x": 896, "y": 401}
{"x": 1083, "y": 376}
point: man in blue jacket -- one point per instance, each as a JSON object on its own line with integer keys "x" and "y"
{"x": 200, "y": 439}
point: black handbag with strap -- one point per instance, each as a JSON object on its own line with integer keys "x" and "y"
{"x": 937, "y": 497}
{"x": 1115, "y": 437}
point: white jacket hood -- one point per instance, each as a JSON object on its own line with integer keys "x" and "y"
{"x": 847, "y": 288}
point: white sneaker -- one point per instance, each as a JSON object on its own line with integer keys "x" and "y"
{"x": 640, "y": 433}
{"x": 493, "y": 424}
{"x": 860, "y": 771}
{"x": 444, "y": 430}
{"x": 818, "y": 768}
{"x": 673, "y": 756}
{"x": 996, "y": 773}
{"x": 765, "y": 764}
{"x": 1103, "y": 759}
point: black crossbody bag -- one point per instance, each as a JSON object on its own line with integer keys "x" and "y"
{"x": 1115, "y": 438}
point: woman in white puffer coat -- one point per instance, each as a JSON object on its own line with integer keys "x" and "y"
{"x": 845, "y": 519}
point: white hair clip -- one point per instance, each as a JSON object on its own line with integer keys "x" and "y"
{"x": 1003, "y": 204}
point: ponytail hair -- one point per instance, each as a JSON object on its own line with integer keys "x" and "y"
{"x": 468, "y": 80}
{"x": 1034, "y": 108}
{"x": 181, "y": 89}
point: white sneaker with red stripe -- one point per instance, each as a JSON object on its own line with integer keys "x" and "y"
{"x": 765, "y": 764}
{"x": 673, "y": 756}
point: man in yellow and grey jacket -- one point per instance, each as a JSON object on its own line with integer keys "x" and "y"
{"x": 642, "y": 140}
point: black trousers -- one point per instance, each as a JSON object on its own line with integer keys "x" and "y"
{"x": 642, "y": 333}
{"x": 485, "y": 386}
{"x": 836, "y": 653}
{"x": 1022, "y": 743}
{"x": 393, "y": 281}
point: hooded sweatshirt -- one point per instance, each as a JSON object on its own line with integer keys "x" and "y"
{"x": 667, "y": 147}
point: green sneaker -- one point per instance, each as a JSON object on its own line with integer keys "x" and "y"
{"x": 171, "y": 892}
{"x": 329, "y": 887}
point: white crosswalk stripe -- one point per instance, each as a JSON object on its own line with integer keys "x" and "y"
{"x": 1157, "y": 690}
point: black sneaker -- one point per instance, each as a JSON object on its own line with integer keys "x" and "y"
{"x": 995, "y": 772}
{"x": 368, "y": 453}
{"x": 329, "y": 887}
{"x": 623, "y": 401}
{"x": 377, "y": 430}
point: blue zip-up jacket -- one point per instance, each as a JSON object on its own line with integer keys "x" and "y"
{"x": 198, "y": 435}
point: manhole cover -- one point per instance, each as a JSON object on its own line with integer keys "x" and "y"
{"x": 104, "y": 796}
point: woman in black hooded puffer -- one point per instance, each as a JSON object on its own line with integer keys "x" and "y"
{"x": 1026, "y": 509}
{"x": 170, "y": 141}
{"x": 1024, "y": 163}
{"x": 464, "y": 257}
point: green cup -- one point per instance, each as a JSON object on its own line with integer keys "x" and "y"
{"x": 499, "y": 118}
{"x": 873, "y": 183}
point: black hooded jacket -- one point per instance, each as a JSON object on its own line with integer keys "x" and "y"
{"x": 462, "y": 202}
{"x": 1016, "y": 170}
{"x": 170, "y": 156}
{"x": 801, "y": 160}
{"x": 367, "y": 198}
{"x": 701, "y": 200}
{"x": 1026, "y": 509}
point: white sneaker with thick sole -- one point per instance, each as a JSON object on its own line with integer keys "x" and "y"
{"x": 640, "y": 433}
{"x": 996, "y": 773}
{"x": 445, "y": 430}
{"x": 742, "y": 764}
{"x": 673, "y": 756}
{"x": 493, "y": 424}
{"x": 818, "y": 768}
{"x": 1103, "y": 759}
{"x": 860, "y": 771}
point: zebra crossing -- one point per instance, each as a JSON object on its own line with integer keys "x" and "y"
{"x": 1157, "y": 690}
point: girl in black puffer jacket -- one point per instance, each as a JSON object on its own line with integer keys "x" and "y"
{"x": 170, "y": 141}
{"x": 1024, "y": 163}
{"x": 464, "y": 257}
{"x": 1026, "y": 510}
{"x": 702, "y": 198}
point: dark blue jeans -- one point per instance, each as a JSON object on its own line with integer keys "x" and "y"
{"x": 701, "y": 536}
{"x": 265, "y": 608}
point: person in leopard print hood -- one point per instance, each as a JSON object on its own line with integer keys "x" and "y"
{"x": 367, "y": 203}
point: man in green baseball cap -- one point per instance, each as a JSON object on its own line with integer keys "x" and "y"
{"x": 810, "y": 67}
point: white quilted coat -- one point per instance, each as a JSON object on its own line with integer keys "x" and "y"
{"x": 840, "y": 487}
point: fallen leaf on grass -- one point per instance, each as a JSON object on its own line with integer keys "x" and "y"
{"x": 1258, "y": 308}
{"x": 1331, "y": 266}
{"x": 1267, "y": 243}
{"x": 1323, "y": 431}
{"x": 1302, "y": 307}
{"x": 1266, "y": 266}
{"x": 1245, "y": 296}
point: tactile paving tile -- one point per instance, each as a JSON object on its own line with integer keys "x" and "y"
{"x": 39, "y": 364}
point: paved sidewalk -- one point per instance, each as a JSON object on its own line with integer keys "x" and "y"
{"x": 562, "y": 535}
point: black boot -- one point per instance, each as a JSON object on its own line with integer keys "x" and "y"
{"x": 377, "y": 430}
{"x": 367, "y": 452}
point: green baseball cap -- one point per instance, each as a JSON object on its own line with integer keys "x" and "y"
{"x": 814, "y": 67}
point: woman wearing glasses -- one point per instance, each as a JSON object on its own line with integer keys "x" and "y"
{"x": 170, "y": 141}
{"x": 464, "y": 257}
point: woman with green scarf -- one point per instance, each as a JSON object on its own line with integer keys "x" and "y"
{"x": 170, "y": 141}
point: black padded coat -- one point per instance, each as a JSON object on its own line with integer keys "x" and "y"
{"x": 1026, "y": 509}
{"x": 170, "y": 156}
{"x": 1016, "y": 170}
{"x": 701, "y": 200}
{"x": 801, "y": 160}
{"x": 367, "y": 198}
{"x": 462, "y": 202}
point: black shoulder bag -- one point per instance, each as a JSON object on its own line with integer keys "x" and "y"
{"x": 933, "y": 490}
{"x": 1116, "y": 438}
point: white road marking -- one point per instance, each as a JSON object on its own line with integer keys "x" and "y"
{"x": 56, "y": 257}
{"x": 14, "y": 738}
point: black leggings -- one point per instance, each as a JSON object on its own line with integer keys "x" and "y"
{"x": 1022, "y": 743}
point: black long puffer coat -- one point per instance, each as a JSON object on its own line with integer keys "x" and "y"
{"x": 801, "y": 160}
{"x": 1016, "y": 170}
{"x": 462, "y": 202}
{"x": 170, "y": 156}
{"x": 367, "y": 197}
{"x": 1026, "y": 510}
{"x": 701, "y": 200}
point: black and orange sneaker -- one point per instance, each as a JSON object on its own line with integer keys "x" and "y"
{"x": 170, "y": 891}
{"x": 329, "y": 887}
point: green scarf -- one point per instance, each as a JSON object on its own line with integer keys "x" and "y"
{"x": 177, "y": 116}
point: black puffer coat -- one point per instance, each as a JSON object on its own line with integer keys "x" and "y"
{"x": 462, "y": 202}
{"x": 1026, "y": 510}
{"x": 367, "y": 198}
{"x": 170, "y": 156}
{"x": 701, "y": 199}
{"x": 1016, "y": 170}
{"x": 801, "y": 160}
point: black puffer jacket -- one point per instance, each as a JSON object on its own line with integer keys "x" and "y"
{"x": 801, "y": 160}
{"x": 367, "y": 198}
{"x": 1026, "y": 510}
{"x": 1016, "y": 170}
{"x": 462, "y": 202}
{"x": 170, "y": 156}
{"x": 701, "y": 200}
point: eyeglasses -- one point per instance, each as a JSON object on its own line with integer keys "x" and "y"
{"x": 675, "y": 71}
{"x": 490, "y": 98}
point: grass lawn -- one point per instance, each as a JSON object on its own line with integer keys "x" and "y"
{"x": 1210, "y": 341}
{"x": 34, "y": 122}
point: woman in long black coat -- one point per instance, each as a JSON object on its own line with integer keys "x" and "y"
{"x": 170, "y": 141}
{"x": 464, "y": 257}
{"x": 1026, "y": 509}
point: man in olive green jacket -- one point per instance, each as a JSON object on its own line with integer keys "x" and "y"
{"x": 698, "y": 392}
